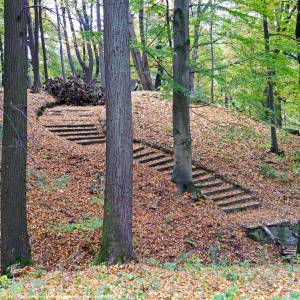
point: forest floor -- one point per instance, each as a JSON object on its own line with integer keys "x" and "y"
{"x": 65, "y": 217}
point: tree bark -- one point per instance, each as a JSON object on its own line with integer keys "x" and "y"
{"x": 182, "y": 173}
{"x": 116, "y": 244}
{"x": 14, "y": 236}
{"x": 270, "y": 89}
{"x": 61, "y": 49}
{"x": 43, "y": 41}
{"x": 35, "y": 59}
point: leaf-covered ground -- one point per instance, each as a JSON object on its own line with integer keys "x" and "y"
{"x": 65, "y": 216}
{"x": 187, "y": 280}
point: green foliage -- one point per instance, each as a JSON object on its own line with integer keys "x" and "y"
{"x": 239, "y": 132}
{"x": 62, "y": 182}
{"x": 296, "y": 156}
{"x": 91, "y": 224}
{"x": 270, "y": 172}
{"x": 229, "y": 294}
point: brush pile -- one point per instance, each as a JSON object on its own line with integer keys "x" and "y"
{"x": 74, "y": 92}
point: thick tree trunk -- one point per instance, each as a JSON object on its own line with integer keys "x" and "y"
{"x": 270, "y": 89}
{"x": 145, "y": 79}
{"x": 182, "y": 173}
{"x": 70, "y": 58}
{"x": 61, "y": 49}
{"x": 35, "y": 59}
{"x": 43, "y": 42}
{"x": 116, "y": 245}
{"x": 14, "y": 236}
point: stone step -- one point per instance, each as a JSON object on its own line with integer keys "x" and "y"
{"x": 162, "y": 162}
{"x": 234, "y": 194}
{"x": 220, "y": 191}
{"x": 209, "y": 185}
{"x": 231, "y": 202}
{"x": 152, "y": 159}
{"x": 198, "y": 173}
{"x": 68, "y": 125}
{"x": 96, "y": 137}
{"x": 138, "y": 149}
{"x": 147, "y": 152}
{"x": 167, "y": 169}
{"x": 83, "y": 133}
{"x": 67, "y": 130}
{"x": 91, "y": 142}
{"x": 208, "y": 178}
{"x": 242, "y": 207}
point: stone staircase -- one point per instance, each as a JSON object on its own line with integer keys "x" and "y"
{"x": 228, "y": 196}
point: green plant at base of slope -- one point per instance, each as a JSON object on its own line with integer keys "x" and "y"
{"x": 270, "y": 172}
{"x": 62, "y": 182}
{"x": 88, "y": 225}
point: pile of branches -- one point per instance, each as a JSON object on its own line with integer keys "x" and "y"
{"x": 74, "y": 92}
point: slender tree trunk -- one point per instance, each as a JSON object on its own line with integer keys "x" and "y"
{"x": 298, "y": 246}
{"x": 168, "y": 24}
{"x": 36, "y": 63}
{"x": 297, "y": 33}
{"x": 61, "y": 49}
{"x": 145, "y": 79}
{"x": 14, "y": 236}
{"x": 101, "y": 52}
{"x": 143, "y": 39}
{"x": 270, "y": 89}
{"x": 195, "y": 46}
{"x": 212, "y": 55}
{"x": 116, "y": 245}
{"x": 70, "y": 58}
{"x": 182, "y": 173}
{"x": 43, "y": 42}
{"x": 2, "y": 60}
{"x": 30, "y": 34}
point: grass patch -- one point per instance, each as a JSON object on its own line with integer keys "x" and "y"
{"x": 241, "y": 133}
{"x": 271, "y": 173}
{"x": 91, "y": 224}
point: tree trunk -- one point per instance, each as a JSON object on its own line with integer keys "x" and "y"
{"x": 182, "y": 173}
{"x": 168, "y": 24}
{"x": 270, "y": 89}
{"x": 212, "y": 55}
{"x": 101, "y": 54}
{"x": 70, "y": 58}
{"x": 298, "y": 245}
{"x": 297, "y": 33}
{"x": 195, "y": 46}
{"x": 143, "y": 39}
{"x": 43, "y": 42}
{"x": 116, "y": 245}
{"x": 145, "y": 79}
{"x": 2, "y": 60}
{"x": 14, "y": 236}
{"x": 61, "y": 49}
{"x": 35, "y": 59}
